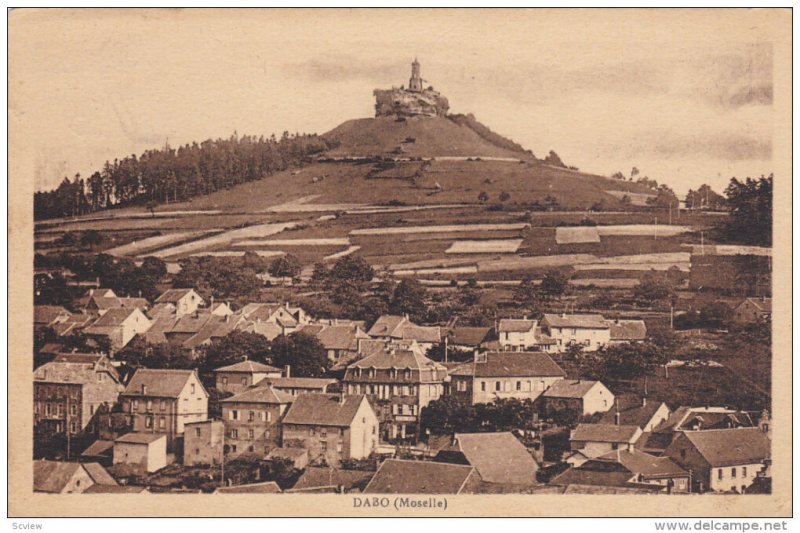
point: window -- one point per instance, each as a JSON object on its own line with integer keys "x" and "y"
{"x": 408, "y": 374}
{"x": 324, "y": 446}
{"x": 266, "y": 434}
{"x": 251, "y": 434}
{"x": 483, "y": 386}
{"x": 148, "y": 422}
{"x": 192, "y": 388}
{"x": 244, "y": 382}
{"x": 233, "y": 448}
{"x": 251, "y": 448}
{"x": 162, "y": 423}
{"x": 197, "y": 451}
{"x": 149, "y": 405}
{"x": 234, "y": 414}
{"x": 744, "y": 471}
{"x": 497, "y": 385}
{"x": 311, "y": 431}
{"x": 36, "y": 408}
{"x": 234, "y": 434}
{"x": 683, "y": 454}
{"x": 733, "y": 472}
{"x": 163, "y": 405}
{"x": 252, "y": 416}
{"x": 73, "y": 427}
{"x": 374, "y": 430}
{"x": 60, "y": 409}
{"x": 519, "y": 385}
{"x": 47, "y": 408}
{"x": 224, "y": 380}
{"x": 91, "y": 408}
{"x": 135, "y": 405}
{"x": 614, "y": 445}
{"x": 197, "y": 432}
{"x": 719, "y": 473}
{"x": 339, "y": 447}
{"x": 269, "y": 416}
{"x": 323, "y": 433}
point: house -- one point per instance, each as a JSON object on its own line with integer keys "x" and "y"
{"x": 68, "y": 391}
{"x": 62, "y": 477}
{"x": 594, "y": 440}
{"x": 630, "y": 411}
{"x": 399, "y": 383}
{"x": 145, "y": 451}
{"x": 194, "y": 329}
{"x": 252, "y": 420}
{"x": 265, "y": 487}
{"x": 297, "y": 456}
{"x": 623, "y": 468}
{"x": 203, "y": 443}
{"x": 400, "y": 328}
{"x": 497, "y": 457}
{"x": 100, "y": 451}
{"x": 326, "y": 479}
{"x": 118, "y": 326}
{"x": 219, "y": 308}
{"x": 517, "y": 335}
{"x": 297, "y": 386}
{"x": 721, "y": 460}
{"x": 283, "y": 318}
{"x": 467, "y": 338}
{"x": 623, "y": 331}
{"x": 163, "y": 401}
{"x": 396, "y": 476}
{"x": 48, "y": 315}
{"x": 590, "y": 331}
{"x": 74, "y": 324}
{"x": 753, "y": 311}
{"x": 239, "y": 376}
{"x": 686, "y": 418}
{"x": 341, "y": 342}
{"x": 331, "y": 427}
{"x": 498, "y": 375}
{"x": 584, "y": 397}
{"x": 425, "y": 336}
{"x": 186, "y": 301}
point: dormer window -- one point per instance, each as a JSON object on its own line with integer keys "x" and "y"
{"x": 372, "y": 372}
{"x": 407, "y": 373}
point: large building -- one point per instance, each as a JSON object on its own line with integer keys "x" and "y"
{"x": 68, "y": 391}
{"x": 332, "y": 427}
{"x": 163, "y": 401}
{"x": 498, "y": 375}
{"x": 589, "y": 331}
{"x": 399, "y": 382}
{"x": 252, "y": 420}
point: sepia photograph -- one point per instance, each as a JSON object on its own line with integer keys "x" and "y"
{"x": 365, "y": 262}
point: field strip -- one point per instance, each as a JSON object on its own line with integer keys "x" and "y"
{"x": 372, "y": 210}
{"x": 684, "y": 267}
{"x": 504, "y": 246}
{"x": 225, "y": 238}
{"x": 153, "y": 243}
{"x": 664, "y": 257}
{"x": 439, "y": 229}
{"x": 433, "y": 263}
{"x": 343, "y": 253}
{"x": 728, "y": 249}
{"x": 664, "y": 230}
{"x": 295, "y": 242}
{"x": 577, "y": 235}
{"x": 234, "y": 253}
{"x": 541, "y": 261}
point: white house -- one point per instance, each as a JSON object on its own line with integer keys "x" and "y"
{"x": 590, "y": 331}
{"x": 147, "y": 451}
{"x": 516, "y": 335}
{"x": 186, "y": 301}
{"x": 582, "y": 396}
{"x": 119, "y": 326}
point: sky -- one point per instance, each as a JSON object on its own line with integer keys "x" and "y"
{"x": 685, "y": 96}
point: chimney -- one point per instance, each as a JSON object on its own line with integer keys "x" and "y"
{"x": 616, "y": 418}
{"x": 287, "y": 371}
{"x": 144, "y": 389}
{"x": 524, "y": 317}
{"x": 644, "y": 401}
{"x": 453, "y": 440}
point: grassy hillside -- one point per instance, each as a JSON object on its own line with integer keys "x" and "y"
{"x": 413, "y": 137}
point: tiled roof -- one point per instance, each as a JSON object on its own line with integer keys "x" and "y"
{"x": 84, "y": 358}
{"x": 501, "y": 364}
{"x": 79, "y": 373}
{"x": 112, "y": 318}
{"x": 498, "y": 457}
{"x": 509, "y": 325}
{"x": 260, "y": 394}
{"x": 643, "y": 463}
{"x": 161, "y": 310}
{"x": 396, "y": 476}
{"x": 52, "y": 476}
{"x": 248, "y": 366}
{"x": 323, "y": 410}
{"x": 297, "y": 383}
{"x": 611, "y": 475}
{"x": 339, "y": 337}
{"x": 195, "y": 322}
{"x": 115, "y": 489}
{"x": 98, "y": 448}
{"x": 316, "y": 477}
{"x": 45, "y": 314}
{"x": 266, "y": 329}
{"x": 581, "y": 321}
{"x": 140, "y": 438}
{"x": 99, "y": 474}
{"x": 430, "y": 334}
{"x": 158, "y": 382}
{"x": 605, "y": 433}
{"x": 635, "y": 415}
{"x": 266, "y": 487}
{"x": 569, "y": 388}
{"x": 468, "y": 336}
{"x": 138, "y": 303}
{"x": 172, "y": 295}
{"x": 726, "y": 447}
{"x": 628, "y": 330}
{"x": 387, "y": 326}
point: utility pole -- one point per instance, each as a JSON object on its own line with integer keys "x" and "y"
{"x": 702, "y": 244}
{"x": 655, "y": 228}
{"x": 66, "y": 424}
{"x": 671, "y": 317}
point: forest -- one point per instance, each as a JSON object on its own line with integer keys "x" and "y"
{"x": 173, "y": 175}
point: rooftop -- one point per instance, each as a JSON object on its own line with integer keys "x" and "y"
{"x": 260, "y": 394}
{"x": 323, "y": 410}
{"x": 248, "y": 367}
{"x": 580, "y": 321}
{"x": 510, "y": 325}
{"x": 727, "y": 447}
{"x": 498, "y": 457}
{"x": 396, "y": 476}
{"x": 570, "y": 388}
{"x": 140, "y": 438}
{"x": 158, "y": 382}
{"x": 606, "y": 433}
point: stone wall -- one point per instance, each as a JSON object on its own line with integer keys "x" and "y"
{"x": 403, "y": 103}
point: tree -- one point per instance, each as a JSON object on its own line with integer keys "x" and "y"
{"x": 629, "y": 361}
{"x": 527, "y": 293}
{"x": 555, "y": 284}
{"x": 235, "y": 347}
{"x": 153, "y": 268}
{"x": 750, "y": 206}
{"x": 319, "y": 275}
{"x": 554, "y": 160}
{"x": 618, "y": 175}
{"x": 504, "y": 196}
{"x": 303, "y": 352}
{"x": 409, "y": 298}
{"x": 655, "y": 285}
{"x": 352, "y": 270}
{"x": 483, "y": 197}
{"x": 551, "y": 203}
{"x": 287, "y": 266}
